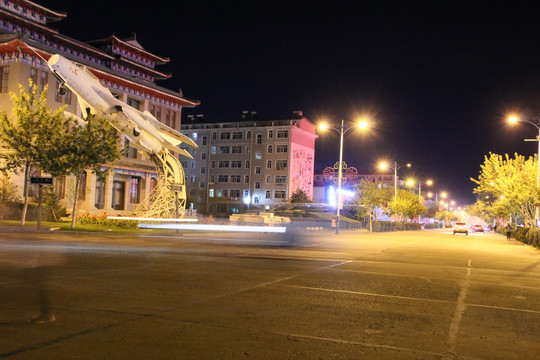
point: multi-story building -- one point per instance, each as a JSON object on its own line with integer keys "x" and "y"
{"x": 123, "y": 65}
{"x": 249, "y": 164}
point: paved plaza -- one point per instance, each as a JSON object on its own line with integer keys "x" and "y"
{"x": 357, "y": 295}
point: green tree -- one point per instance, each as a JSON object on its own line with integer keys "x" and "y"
{"x": 299, "y": 196}
{"x": 29, "y": 134}
{"x": 85, "y": 147}
{"x": 371, "y": 195}
{"x": 510, "y": 185}
{"x": 407, "y": 204}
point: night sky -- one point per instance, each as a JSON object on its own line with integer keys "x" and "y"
{"x": 436, "y": 80}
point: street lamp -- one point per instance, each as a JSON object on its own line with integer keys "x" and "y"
{"x": 534, "y": 121}
{"x": 385, "y": 166}
{"x": 363, "y": 124}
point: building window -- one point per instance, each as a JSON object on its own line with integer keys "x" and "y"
{"x": 134, "y": 103}
{"x": 204, "y": 140}
{"x": 33, "y": 77}
{"x": 203, "y": 156}
{"x": 225, "y": 136}
{"x": 194, "y": 136}
{"x": 281, "y": 179}
{"x": 60, "y": 187}
{"x": 258, "y": 155}
{"x": 211, "y": 192}
{"x": 223, "y": 178}
{"x": 236, "y": 149}
{"x": 270, "y": 135}
{"x": 237, "y": 135}
{"x": 234, "y": 193}
{"x": 259, "y": 139}
{"x": 269, "y": 164}
{"x": 203, "y": 170}
{"x": 279, "y": 194}
{"x": 212, "y": 178}
{"x": 99, "y": 201}
{"x": 43, "y": 79}
{"x": 118, "y": 195}
{"x": 168, "y": 118}
{"x": 224, "y": 164}
{"x": 257, "y": 185}
{"x": 224, "y": 149}
{"x": 67, "y": 99}
{"x": 246, "y": 194}
{"x": 4, "y": 72}
{"x": 214, "y": 136}
{"x": 282, "y": 134}
{"x": 173, "y": 120}
{"x": 270, "y": 149}
{"x": 247, "y": 164}
{"x": 201, "y": 184}
{"x": 236, "y": 164}
{"x": 282, "y": 148}
{"x": 248, "y": 135}
{"x": 57, "y": 95}
{"x": 268, "y": 179}
{"x": 257, "y": 170}
{"x": 246, "y": 179}
{"x": 268, "y": 194}
{"x": 256, "y": 199}
{"x": 281, "y": 164}
{"x": 135, "y": 190}
{"x": 235, "y": 178}
{"x": 213, "y": 164}
{"x": 214, "y": 150}
{"x": 193, "y": 179}
{"x": 248, "y": 149}
{"x": 82, "y": 186}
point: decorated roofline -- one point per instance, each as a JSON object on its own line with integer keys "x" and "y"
{"x": 32, "y": 11}
{"x": 114, "y": 39}
{"x": 163, "y": 96}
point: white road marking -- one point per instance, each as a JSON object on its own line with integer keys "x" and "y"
{"x": 458, "y": 314}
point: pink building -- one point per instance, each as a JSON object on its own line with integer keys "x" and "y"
{"x": 249, "y": 164}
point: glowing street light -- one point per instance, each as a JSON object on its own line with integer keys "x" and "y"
{"x": 362, "y": 125}
{"x": 534, "y": 121}
{"x": 384, "y": 166}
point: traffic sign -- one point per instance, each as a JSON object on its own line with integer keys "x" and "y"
{"x": 41, "y": 180}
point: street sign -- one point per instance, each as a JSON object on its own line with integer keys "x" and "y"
{"x": 41, "y": 180}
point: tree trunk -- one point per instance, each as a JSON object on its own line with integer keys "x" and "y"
{"x": 25, "y": 207}
{"x": 74, "y": 211}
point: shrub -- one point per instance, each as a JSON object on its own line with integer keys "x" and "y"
{"x": 102, "y": 220}
{"x": 521, "y": 234}
{"x": 533, "y": 237}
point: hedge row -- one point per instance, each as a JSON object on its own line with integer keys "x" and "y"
{"x": 379, "y": 226}
{"x": 530, "y": 236}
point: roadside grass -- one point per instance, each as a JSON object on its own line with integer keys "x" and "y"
{"x": 66, "y": 226}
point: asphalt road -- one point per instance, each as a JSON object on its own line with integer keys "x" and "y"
{"x": 403, "y": 295}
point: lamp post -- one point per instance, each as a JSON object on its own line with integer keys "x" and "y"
{"x": 534, "y": 121}
{"x": 384, "y": 166}
{"x": 342, "y": 130}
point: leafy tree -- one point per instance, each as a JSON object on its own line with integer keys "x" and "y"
{"x": 372, "y": 194}
{"x": 87, "y": 146}
{"x": 407, "y": 204}
{"x": 300, "y": 196}
{"x": 29, "y": 134}
{"x": 510, "y": 186}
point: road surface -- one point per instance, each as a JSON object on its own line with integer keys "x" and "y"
{"x": 356, "y": 295}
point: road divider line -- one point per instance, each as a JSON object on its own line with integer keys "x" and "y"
{"x": 458, "y": 313}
